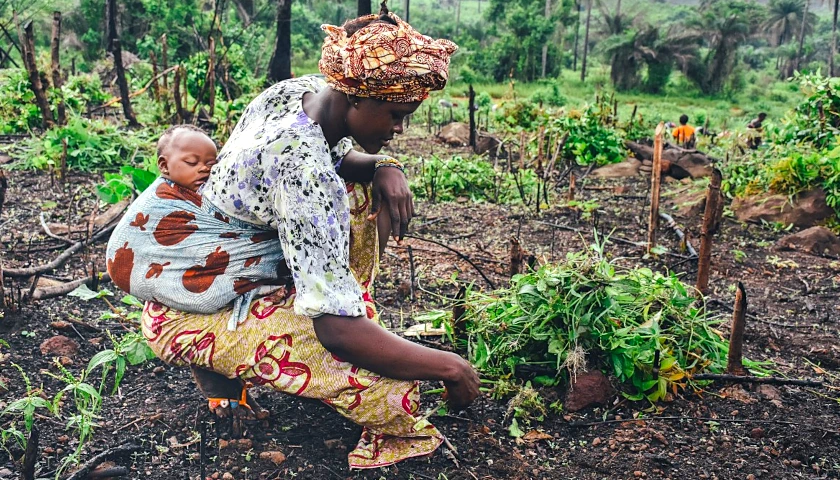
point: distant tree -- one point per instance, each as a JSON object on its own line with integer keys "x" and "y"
{"x": 586, "y": 40}
{"x": 280, "y": 66}
{"x": 519, "y": 31}
{"x": 644, "y": 46}
{"x": 833, "y": 51}
{"x": 784, "y": 19}
{"x": 725, "y": 25}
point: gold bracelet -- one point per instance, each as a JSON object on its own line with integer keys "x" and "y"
{"x": 388, "y": 162}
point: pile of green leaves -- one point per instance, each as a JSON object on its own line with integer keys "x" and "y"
{"x": 588, "y": 311}
{"x": 457, "y": 177}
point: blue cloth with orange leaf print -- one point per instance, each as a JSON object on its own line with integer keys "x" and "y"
{"x": 176, "y": 248}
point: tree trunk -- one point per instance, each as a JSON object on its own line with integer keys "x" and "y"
{"x": 407, "y": 10}
{"x": 56, "y": 67}
{"x": 586, "y": 41}
{"x": 280, "y": 66}
{"x": 364, "y": 7}
{"x": 458, "y": 15}
{"x": 545, "y": 47}
{"x": 833, "y": 51}
{"x": 27, "y": 47}
{"x": 211, "y": 78}
{"x": 116, "y": 50}
{"x": 802, "y": 35}
{"x": 577, "y": 37}
{"x": 242, "y": 13}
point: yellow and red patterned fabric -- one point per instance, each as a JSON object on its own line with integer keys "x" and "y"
{"x": 388, "y": 62}
{"x": 278, "y": 349}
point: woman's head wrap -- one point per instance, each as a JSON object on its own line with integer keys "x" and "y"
{"x": 388, "y": 62}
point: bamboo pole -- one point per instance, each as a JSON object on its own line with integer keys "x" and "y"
{"x": 655, "y": 183}
{"x": 55, "y": 67}
{"x": 707, "y": 231}
{"x": 734, "y": 364}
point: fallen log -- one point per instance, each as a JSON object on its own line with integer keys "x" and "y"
{"x": 85, "y": 469}
{"x": 725, "y": 377}
{"x": 65, "y": 288}
{"x": 60, "y": 260}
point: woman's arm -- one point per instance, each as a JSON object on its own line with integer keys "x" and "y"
{"x": 389, "y": 187}
{"x": 364, "y": 343}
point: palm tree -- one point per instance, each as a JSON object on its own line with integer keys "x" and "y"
{"x": 725, "y": 24}
{"x": 784, "y": 20}
{"x": 643, "y": 46}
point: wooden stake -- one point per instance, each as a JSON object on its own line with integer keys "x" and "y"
{"x": 30, "y": 456}
{"x": 572, "y": 182}
{"x": 164, "y": 61}
{"x": 472, "y": 118}
{"x": 179, "y": 106}
{"x": 734, "y": 364}
{"x": 27, "y": 45}
{"x": 55, "y": 67}
{"x": 516, "y": 255}
{"x": 4, "y": 185}
{"x": 707, "y": 231}
{"x": 62, "y": 166}
{"x": 211, "y": 77}
{"x": 655, "y": 182}
{"x": 155, "y": 84}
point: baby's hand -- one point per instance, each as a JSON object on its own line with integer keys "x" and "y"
{"x": 279, "y": 296}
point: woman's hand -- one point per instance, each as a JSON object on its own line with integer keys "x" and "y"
{"x": 364, "y": 343}
{"x": 390, "y": 186}
{"x": 463, "y": 388}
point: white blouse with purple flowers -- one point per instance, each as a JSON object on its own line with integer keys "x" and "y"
{"x": 278, "y": 170}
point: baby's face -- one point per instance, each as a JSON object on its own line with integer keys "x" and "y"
{"x": 188, "y": 159}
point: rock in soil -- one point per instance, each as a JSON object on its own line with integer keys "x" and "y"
{"x": 807, "y": 209}
{"x": 815, "y": 240}
{"x": 590, "y": 388}
{"x": 627, "y": 168}
{"x": 455, "y": 134}
{"x": 275, "y": 457}
{"x": 59, "y": 346}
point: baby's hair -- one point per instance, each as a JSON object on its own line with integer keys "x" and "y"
{"x": 353, "y": 26}
{"x": 683, "y": 119}
{"x": 167, "y": 135}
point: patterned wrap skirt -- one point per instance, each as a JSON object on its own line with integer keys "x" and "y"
{"x": 278, "y": 349}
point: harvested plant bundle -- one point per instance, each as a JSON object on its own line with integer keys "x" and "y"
{"x": 586, "y": 310}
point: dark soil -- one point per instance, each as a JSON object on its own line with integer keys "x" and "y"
{"x": 719, "y": 432}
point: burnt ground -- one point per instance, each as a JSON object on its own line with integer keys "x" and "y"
{"x": 718, "y": 432}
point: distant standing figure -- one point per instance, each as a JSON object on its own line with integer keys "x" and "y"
{"x": 684, "y": 134}
{"x": 755, "y": 128}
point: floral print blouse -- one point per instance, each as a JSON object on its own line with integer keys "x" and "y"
{"x": 278, "y": 170}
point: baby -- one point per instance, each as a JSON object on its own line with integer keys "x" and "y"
{"x": 156, "y": 258}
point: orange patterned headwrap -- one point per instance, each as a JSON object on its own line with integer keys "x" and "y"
{"x": 388, "y": 62}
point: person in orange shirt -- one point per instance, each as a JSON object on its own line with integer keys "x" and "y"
{"x": 684, "y": 134}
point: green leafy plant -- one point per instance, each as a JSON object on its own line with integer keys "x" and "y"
{"x": 447, "y": 180}
{"x": 588, "y": 311}
{"x": 25, "y": 408}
